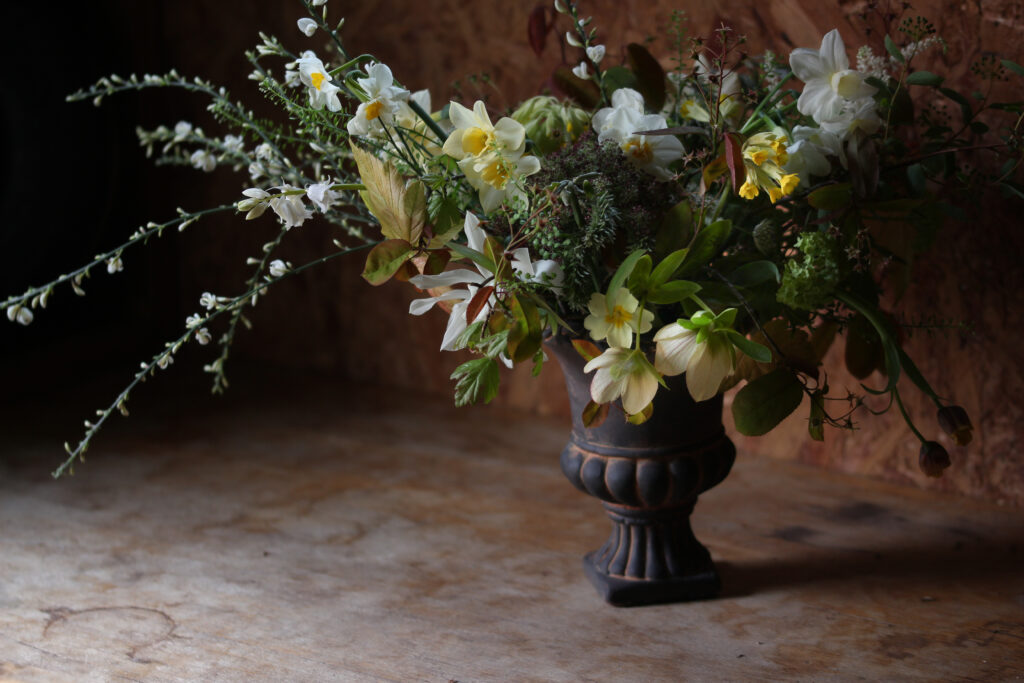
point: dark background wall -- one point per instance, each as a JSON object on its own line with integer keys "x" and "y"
{"x": 75, "y": 183}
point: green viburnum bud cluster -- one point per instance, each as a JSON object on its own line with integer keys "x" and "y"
{"x": 551, "y": 124}
{"x": 809, "y": 284}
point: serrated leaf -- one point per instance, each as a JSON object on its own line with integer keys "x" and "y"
{"x": 399, "y": 206}
{"x": 587, "y": 350}
{"x": 831, "y": 197}
{"x": 476, "y": 380}
{"x": 650, "y": 76}
{"x": 594, "y": 414}
{"x": 385, "y": 259}
{"x": 762, "y": 404}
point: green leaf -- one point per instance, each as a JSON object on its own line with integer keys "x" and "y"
{"x": 641, "y": 417}
{"x": 585, "y": 93}
{"x": 385, "y": 259}
{"x": 894, "y": 50}
{"x": 754, "y": 273}
{"x": 762, "y": 404}
{"x": 638, "y": 279}
{"x": 618, "y": 77}
{"x": 675, "y": 230}
{"x": 759, "y": 352}
{"x": 667, "y": 268}
{"x": 624, "y": 271}
{"x": 473, "y": 255}
{"x": 926, "y": 78}
{"x": 476, "y": 380}
{"x": 650, "y": 76}
{"x": 1013, "y": 66}
{"x": 831, "y": 197}
{"x": 816, "y": 420}
{"x": 525, "y": 335}
{"x": 965, "y": 105}
{"x": 447, "y": 223}
{"x": 470, "y": 336}
{"x": 672, "y": 292}
{"x": 890, "y": 350}
{"x": 706, "y": 246}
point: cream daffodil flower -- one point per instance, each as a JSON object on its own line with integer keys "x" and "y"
{"x": 626, "y": 374}
{"x": 616, "y": 318}
{"x": 491, "y": 155}
{"x": 322, "y": 92}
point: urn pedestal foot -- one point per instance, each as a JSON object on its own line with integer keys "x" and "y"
{"x": 651, "y": 557}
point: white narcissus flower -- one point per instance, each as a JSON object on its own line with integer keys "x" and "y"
{"x": 307, "y": 26}
{"x": 322, "y": 92}
{"x": 857, "y": 115}
{"x": 289, "y": 207}
{"x": 322, "y": 195}
{"x": 620, "y": 124}
{"x": 808, "y": 155}
{"x": 384, "y": 101}
{"x": 706, "y": 363}
{"x": 616, "y": 318}
{"x": 828, "y": 79}
{"x": 626, "y": 374}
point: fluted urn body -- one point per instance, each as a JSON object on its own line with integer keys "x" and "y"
{"x": 648, "y": 477}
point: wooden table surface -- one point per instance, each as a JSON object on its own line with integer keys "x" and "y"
{"x": 323, "y": 533}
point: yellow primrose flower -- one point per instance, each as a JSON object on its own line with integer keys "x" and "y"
{"x": 615, "y": 318}
{"x": 764, "y": 156}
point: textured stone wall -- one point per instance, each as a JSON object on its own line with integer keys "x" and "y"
{"x": 333, "y": 321}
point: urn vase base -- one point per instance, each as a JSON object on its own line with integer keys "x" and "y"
{"x": 621, "y": 591}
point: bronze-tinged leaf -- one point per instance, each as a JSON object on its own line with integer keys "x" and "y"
{"x": 385, "y": 259}
{"x": 587, "y": 349}
{"x": 435, "y": 261}
{"x": 399, "y": 206}
{"x": 650, "y": 76}
{"x": 734, "y": 159}
{"x": 537, "y": 28}
{"x": 478, "y": 301}
{"x": 762, "y": 404}
{"x": 594, "y": 414}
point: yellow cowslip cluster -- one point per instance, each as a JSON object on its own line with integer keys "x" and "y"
{"x": 764, "y": 156}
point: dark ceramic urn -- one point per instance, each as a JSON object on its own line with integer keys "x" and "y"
{"x": 648, "y": 477}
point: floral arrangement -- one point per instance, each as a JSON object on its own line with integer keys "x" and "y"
{"x": 726, "y": 218}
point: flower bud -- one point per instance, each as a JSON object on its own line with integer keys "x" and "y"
{"x": 955, "y": 422}
{"x": 550, "y": 124}
{"x": 933, "y": 459}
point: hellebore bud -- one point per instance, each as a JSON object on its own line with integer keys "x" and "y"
{"x": 955, "y": 422}
{"x": 933, "y": 459}
{"x": 550, "y": 124}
